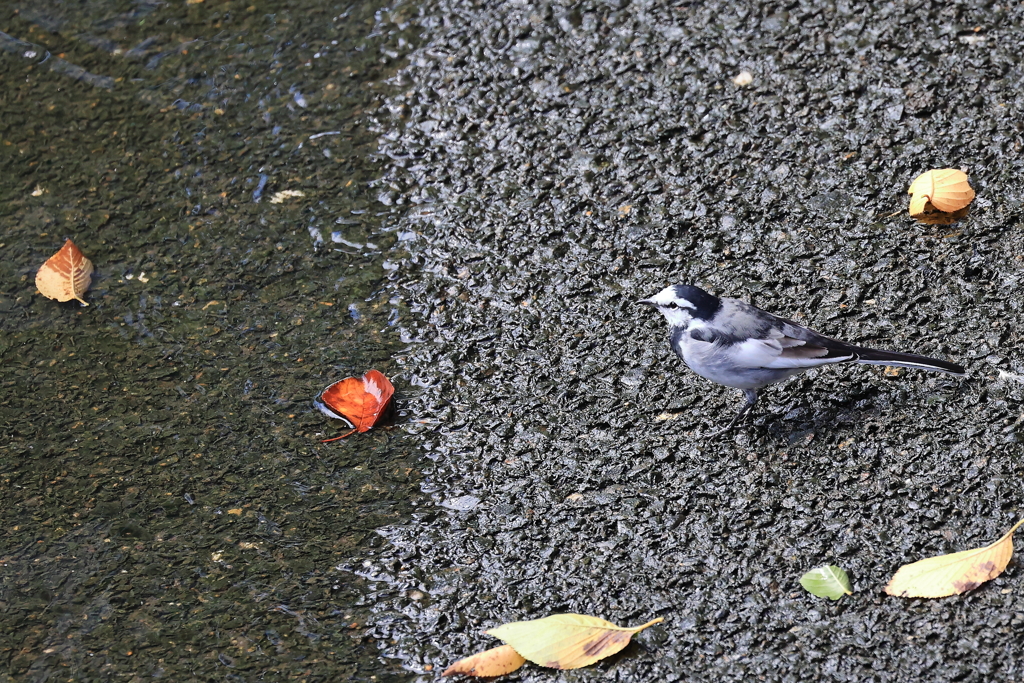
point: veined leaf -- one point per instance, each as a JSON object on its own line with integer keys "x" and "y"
{"x": 567, "y": 641}
{"x": 66, "y": 275}
{"x": 827, "y": 582}
{"x": 940, "y": 196}
{"x": 944, "y": 575}
{"x": 946, "y": 188}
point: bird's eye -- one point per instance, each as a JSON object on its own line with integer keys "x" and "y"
{"x": 673, "y": 305}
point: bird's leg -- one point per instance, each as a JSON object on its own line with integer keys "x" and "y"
{"x": 751, "y": 395}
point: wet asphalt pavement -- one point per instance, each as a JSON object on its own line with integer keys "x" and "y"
{"x": 505, "y": 180}
{"x": 558, "y": 162}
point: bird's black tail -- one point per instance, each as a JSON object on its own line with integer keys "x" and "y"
{"x": 904, "y": 360}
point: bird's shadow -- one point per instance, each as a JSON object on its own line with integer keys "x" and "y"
{"x": 802, "y": 419}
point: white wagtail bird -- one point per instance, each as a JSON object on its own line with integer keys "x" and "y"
{"x": 738, "y": 345}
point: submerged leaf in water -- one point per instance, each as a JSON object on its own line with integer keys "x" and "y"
{"x": 66, "y": 275}
{"x": 363, "y": 401}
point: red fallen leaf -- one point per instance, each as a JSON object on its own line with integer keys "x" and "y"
{"x": 362, "y": 401}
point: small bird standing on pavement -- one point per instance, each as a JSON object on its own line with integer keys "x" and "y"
{"x": 738, "y": 345}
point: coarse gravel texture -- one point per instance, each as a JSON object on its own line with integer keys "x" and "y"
{"x": 559, "y": 162}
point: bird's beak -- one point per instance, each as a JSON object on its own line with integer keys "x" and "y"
{"x": 647, "y": 302}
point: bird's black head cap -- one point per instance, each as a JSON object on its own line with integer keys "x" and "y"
{"x": 704, "y": 305}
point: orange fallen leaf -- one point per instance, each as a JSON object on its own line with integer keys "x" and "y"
{"x": 494, "y": 662}
{"x": 946, "y": 188}
{"x": 362, "y": 401}
{"x": 567, "y": 641}
{"x": 939, "y": 577}
{"x": 66, "y": 275}
{"x": 940, "y": 196}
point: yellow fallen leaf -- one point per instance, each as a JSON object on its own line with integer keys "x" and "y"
{"x": 566, "y": 641}
{"x": 938, "y": 577}
{"x": 66, "y": 275}
{"x": 494, "y": 662}
{"x": 946, "y": 188}
{"x": 918, "y": 203}
{"x": 940, "y": 196}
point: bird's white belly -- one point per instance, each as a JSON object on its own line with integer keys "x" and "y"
{"x": 714, "y": 362}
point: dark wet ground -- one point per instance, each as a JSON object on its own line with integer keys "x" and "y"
{"x": 579, "y": 157}
{"x": 169, "y": 511}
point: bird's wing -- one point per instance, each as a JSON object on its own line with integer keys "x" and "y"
{"x": 780, "y": 351}
{"x": 758, "y": 339}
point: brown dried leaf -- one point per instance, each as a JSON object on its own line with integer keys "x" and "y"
{"x": 66, "y": 275}
{"x": 494, "y": 662}
{"x": 939, "y": 577}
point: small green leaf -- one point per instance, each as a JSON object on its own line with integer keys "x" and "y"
{"x": 827, "y": 582}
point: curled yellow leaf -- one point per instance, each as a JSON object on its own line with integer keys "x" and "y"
{"x": 567, "y": 641}
{"x": 940, "y": 196}
{"x": 946, "y": 188}
{"x": 918, "y": 204}
{"x": 66, "y": 275}
{"x": 939, "y": 577}
{"x": 494, "y": 662}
